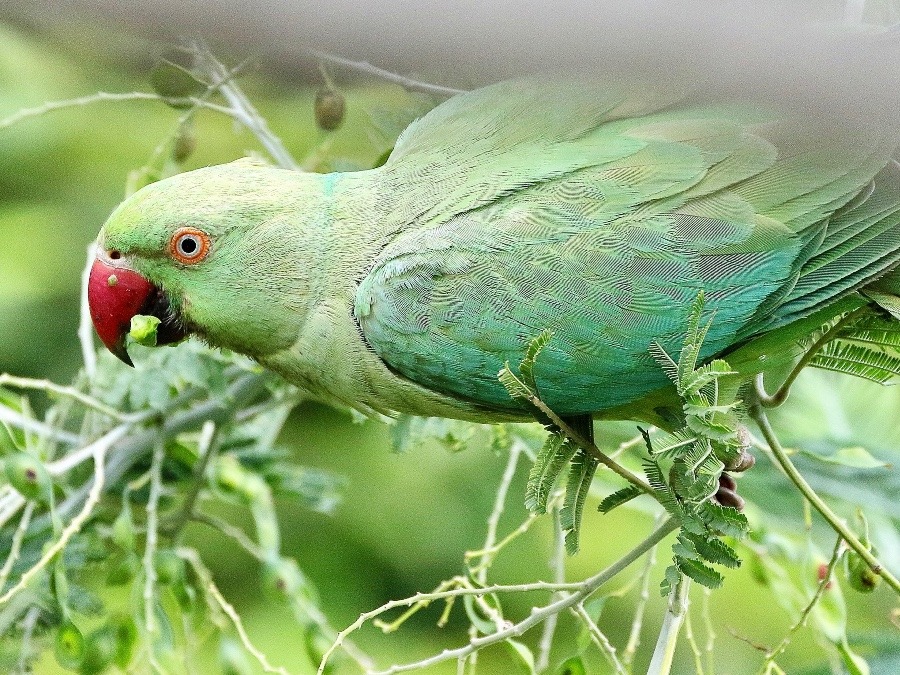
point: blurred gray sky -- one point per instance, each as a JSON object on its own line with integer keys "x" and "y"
{"x": 796, "y": 51}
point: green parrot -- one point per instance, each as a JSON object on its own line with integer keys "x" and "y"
{"x": 596, "y": 214}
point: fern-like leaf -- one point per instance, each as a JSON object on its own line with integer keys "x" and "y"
{"x": 526, "y": 367}
{"x": 581, "y": 473}
{"x": 515, "y": 387}
{"x": 714, "y": 550}
{"x": 724, "y": 519}
{"x": 619, "y": 497}
{"x": 666, "y": 362}
{"x": 533, "y": 498}
{"x": 859, "y": 360}
{"x": 699, "y": 572}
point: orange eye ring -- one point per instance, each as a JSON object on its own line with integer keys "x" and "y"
{"x": 189, "y": 245}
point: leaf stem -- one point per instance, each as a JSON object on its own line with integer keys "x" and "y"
{"x": 664, "y": 654}
{"x": 591, "y": 447}
{"x": 773, "y": 653}
{"x": 538, "y": 614}
{"x": 781, "y": 394}
{"x": 387, "y": 75}
{"x": 818, "y": 503}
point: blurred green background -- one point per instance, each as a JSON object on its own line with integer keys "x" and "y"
{"x": 405, "y": 520}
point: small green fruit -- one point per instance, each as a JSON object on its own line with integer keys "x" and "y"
{"x": 185, "y": 143}
{"x": 859, "y": 575}
{"x": 29, "y": 477}
{"x": 329, "y": 109}
{"x": 69, "y": 646}
{"x": 100, "y": 650}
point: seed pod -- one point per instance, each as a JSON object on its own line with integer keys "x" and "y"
{"x": 173, "y": 79}
{"x": 329, "y": 108}
{"x": 69, "y": 646}
{"x": 859, "y": 575}
{"x": 29, "y": 477}
{"x": 185, "y": 143}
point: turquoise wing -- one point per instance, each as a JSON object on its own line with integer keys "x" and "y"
{"x": 603, "y": 228}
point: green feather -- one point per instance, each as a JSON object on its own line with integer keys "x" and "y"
{"x": 595, "y": 214}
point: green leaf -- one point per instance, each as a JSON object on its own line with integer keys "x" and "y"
{"x": 695, "y": 381}
{"x": 619, "y": 497}
{"x": 670, "y": 580}
{"x": 526, "y": 367}
{"x": 696, "y": 570}
{"x": 714, "y": 550}
{"x": 549, "y": 464}
{"x": 730, "y": 522}
{"x": 874, "y": 330}
{"x": 514, "y": 386}
{"x": 581, "y": 473}
{"x": 859, "y": 360}
{"x": 144, "y": 329}
{"x": 522, "y": 654}
{"x": 855, "y": 456}
{"x": 693, "y": 342}
{"x": 670, "y": 368}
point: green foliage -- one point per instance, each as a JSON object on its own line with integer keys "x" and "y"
{"x": 86, "y": 604}
{"x": 581, "y": 473}
{"x": 697, "y": 455}
{"x": 558, "y": 452}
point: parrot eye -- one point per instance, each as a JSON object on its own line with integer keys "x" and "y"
{"x": 189, "y": 246}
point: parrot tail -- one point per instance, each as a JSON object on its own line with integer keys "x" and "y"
{"x": 860, "y": 251}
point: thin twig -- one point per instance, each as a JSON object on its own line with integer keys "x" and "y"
{"x": 599, "y": 638}
{"x": 558, "y": 567}
{"x": 710, "y": 631}
{"x": 26, "y": 423}
{"x": 71, "y": 529}
{"x": 16, "y": 544}
{"x": 664, "y": 653}
{"x": 634, "y": 637}
{"x": 206, "y": 449}
{"x": 538, "y": 614}
{"x": 232, "y": 531}
{"x": 85, "y": 323}
{"x": 73, "y": 459}
{"x": 493, "y": 521}
{"x": 99, "y": 97}
{"x": 365, "y": 67}
{"x": 692, "y": 641}
{"x": 824, "y": 583}
{"x": 818, "y": 503}
{"x": 242, "y": 633}
{"x": 244, "y": 111}
{"x": 59, "y": 390}
{"x": 591, "y": 447}
{"x": 152, "y": 509}
{"x": 781, "y": 394}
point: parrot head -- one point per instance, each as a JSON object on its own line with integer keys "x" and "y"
{"x": 207, "y": 252}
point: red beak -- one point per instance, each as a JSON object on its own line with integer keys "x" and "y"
{"x": 115, "y": 295}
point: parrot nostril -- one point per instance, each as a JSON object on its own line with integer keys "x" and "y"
{"x": 114, "y": 255}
